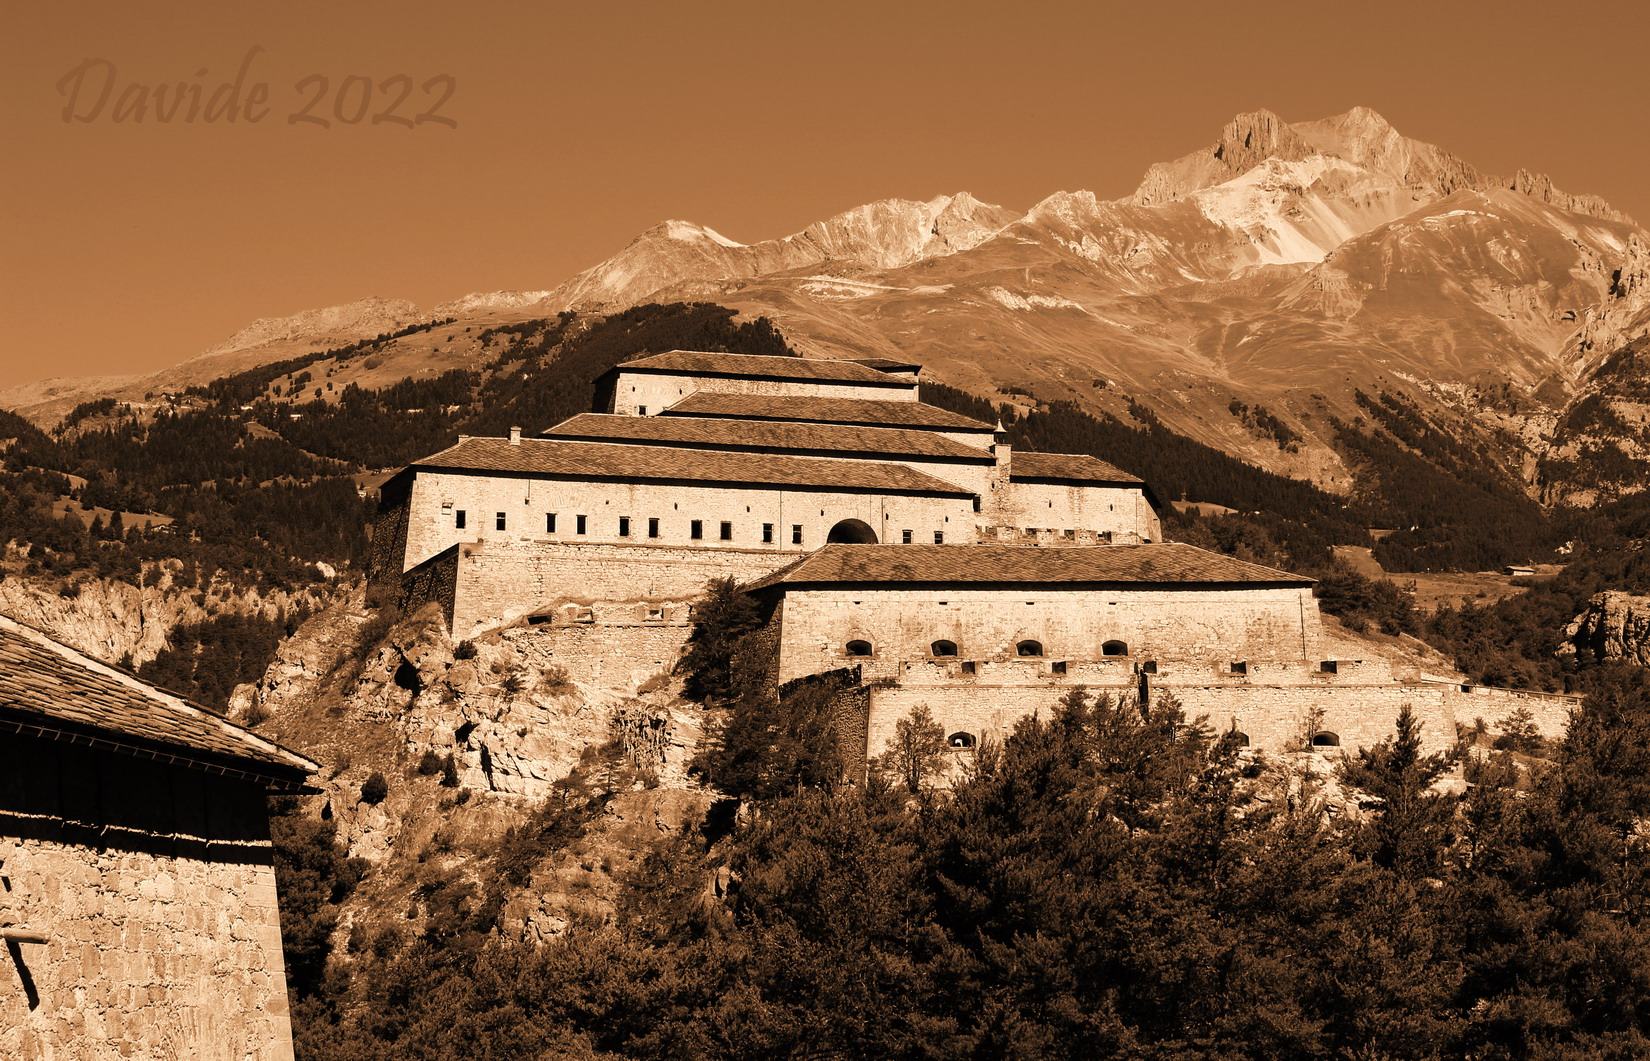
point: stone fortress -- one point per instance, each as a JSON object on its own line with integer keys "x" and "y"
{"x": 904, "y": 546}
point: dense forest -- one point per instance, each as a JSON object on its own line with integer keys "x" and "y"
{"x": 1109, "y": 881}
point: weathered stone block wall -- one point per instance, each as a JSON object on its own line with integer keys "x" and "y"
{"x": 501, "y": 581}
{"x": 1550, "y": 713}
{"x": 436, "y": 579}
{"x": 613, "y": 652}
{"x": 1071, "y": 623}
{"x": 1121, "y": 512}
{"x": 525, "y": 502}
{"x": 387, "y": 549}
{"x": 155, "y": 887}
{"x": 656, "y": 392}
{"x": 1274, "y": 715}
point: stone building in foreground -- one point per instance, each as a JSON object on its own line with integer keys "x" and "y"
{"x": 137, "y": 888}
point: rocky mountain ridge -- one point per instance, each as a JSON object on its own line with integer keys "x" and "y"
{"x": 1286, "y": 266}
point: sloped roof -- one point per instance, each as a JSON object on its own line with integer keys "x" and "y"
{"x": 565, "y": 459}
{"x": 771, "y": 436}
{"x": 48, "y": 687}
{"x": 1029, "y": 465}
{"x": 887, "y": 364}
{"x": 761, "y": 366}
{"x": 870, "y": 412}
{"x": 1160, "y": 564}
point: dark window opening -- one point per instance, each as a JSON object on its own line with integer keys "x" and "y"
{"x": 1149, "y": 667}
{"x": 939, "y": 537}
{"x": 796, "y": 534}
{"x": 961, "y": 740}
{"x": 1114, "y": 648}
{"x": 727, "y": 531}
{"x": 1240, "y": 667}
{"x": 696, "y": 529}
{"x": 976, "y": 502}
{"x": 858, "y": 648}
{"x": 1057, "y": 667}
{"x": 943, "y": 648}
{"x": 498, "y": 521}
{"x": 1325, "y": 739}
{"x": 653, "y": 527}
{"x": 624, "y": 526}
{"x": 641, "y": 410}
{"x": 549, "y": 523}
{"x": 580, "y": 524}
{"x": 1029, "y": 648}
{"x": 969, "y": 667}
{"x": 851, "y": 531}
{"x": 458, "y": 519}
{"x": 1329, "y": 666}
{"x": 905, "y": 537}
{"x": 767, "y": 534}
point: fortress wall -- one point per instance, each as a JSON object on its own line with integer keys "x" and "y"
{"x": 387, "y": 545}
{"x": 1551, "y": 714}
{"x": 155, "y": 889}
{"x": 1116, "y": 510}
{"x": 613, "y": 654}
{"x": 657, "y": 391}
{"x": 525, "y": 501}
{"x": 500, "y": 581}
{"x": 1273, "y": 715}
{"x": 1072, "y": 623}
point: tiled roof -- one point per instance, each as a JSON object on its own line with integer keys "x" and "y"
{"x": 1066, "y": 467}
{"x": 563, "y": 459}
{"x": 824, "y": 410}
{"x": 1164, "y": 564}
{"x": 770, "y": 436}
{"x": 48, "y": 686}
{"x": 809, "y": 369}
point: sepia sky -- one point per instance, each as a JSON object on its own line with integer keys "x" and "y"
{"x": 130, "y": 246}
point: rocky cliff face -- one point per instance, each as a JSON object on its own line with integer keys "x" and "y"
{"x": 523, "y": 741}
{"x": 116, "y": 620}
{"x": 1615, "y": 627}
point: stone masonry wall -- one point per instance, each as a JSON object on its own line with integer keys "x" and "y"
{"x": 656, "y": 392}
{"x": 501, "y": 581}
{"x": 1273, "y": 716}
{"x": 1122, "y": 512}
{"x": 436, "y": 497}
{"x": 1071, "y": 623}
{"x": 155, "y": 889}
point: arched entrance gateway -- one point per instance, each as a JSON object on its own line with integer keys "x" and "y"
{"x": 852, "y": 532}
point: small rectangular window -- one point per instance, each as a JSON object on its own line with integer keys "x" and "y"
{"x": 498, "y": 521}
{"x": 905, "y": 537}
{"x": 796, "y": 534}
{"x": 580, "y": 523}
{"x": 968, "y": 667}
{"x": 1058, "y": 666}
{"x": 767, "y": 534}
{"x": 458, "y": 519}
{"x": 549, "y": 523}
{"x": 653, "y": 527}
{"x": 641, "y": 410}
{"x": 624, "y": 526}
{"x": 696, "y": 529}
{"x": 727, "y": 531}
{"x": 1329, "y": 666}
{"x": 939, "y": 537}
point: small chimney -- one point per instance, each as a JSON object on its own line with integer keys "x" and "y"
{"x": 515, "y": 436}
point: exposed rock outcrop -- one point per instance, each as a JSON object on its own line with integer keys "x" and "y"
{"x": 1615, "y": 627}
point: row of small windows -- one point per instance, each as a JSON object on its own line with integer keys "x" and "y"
{"x": 696, "y": 528}
{"x": 944, "y": 648}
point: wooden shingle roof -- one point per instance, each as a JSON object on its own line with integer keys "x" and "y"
{"x": 870, "y": 412}
{"x": 50, "y": 689}
{"x": 769, "y": 436}
{"x": 556, "y": 458}
{"x": 1167, "y": 564}
{"x": 761, "y": 366}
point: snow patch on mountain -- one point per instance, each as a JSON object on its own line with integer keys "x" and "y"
{"x": 1013, "y": 300}
{"x": 689, "y": 232}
